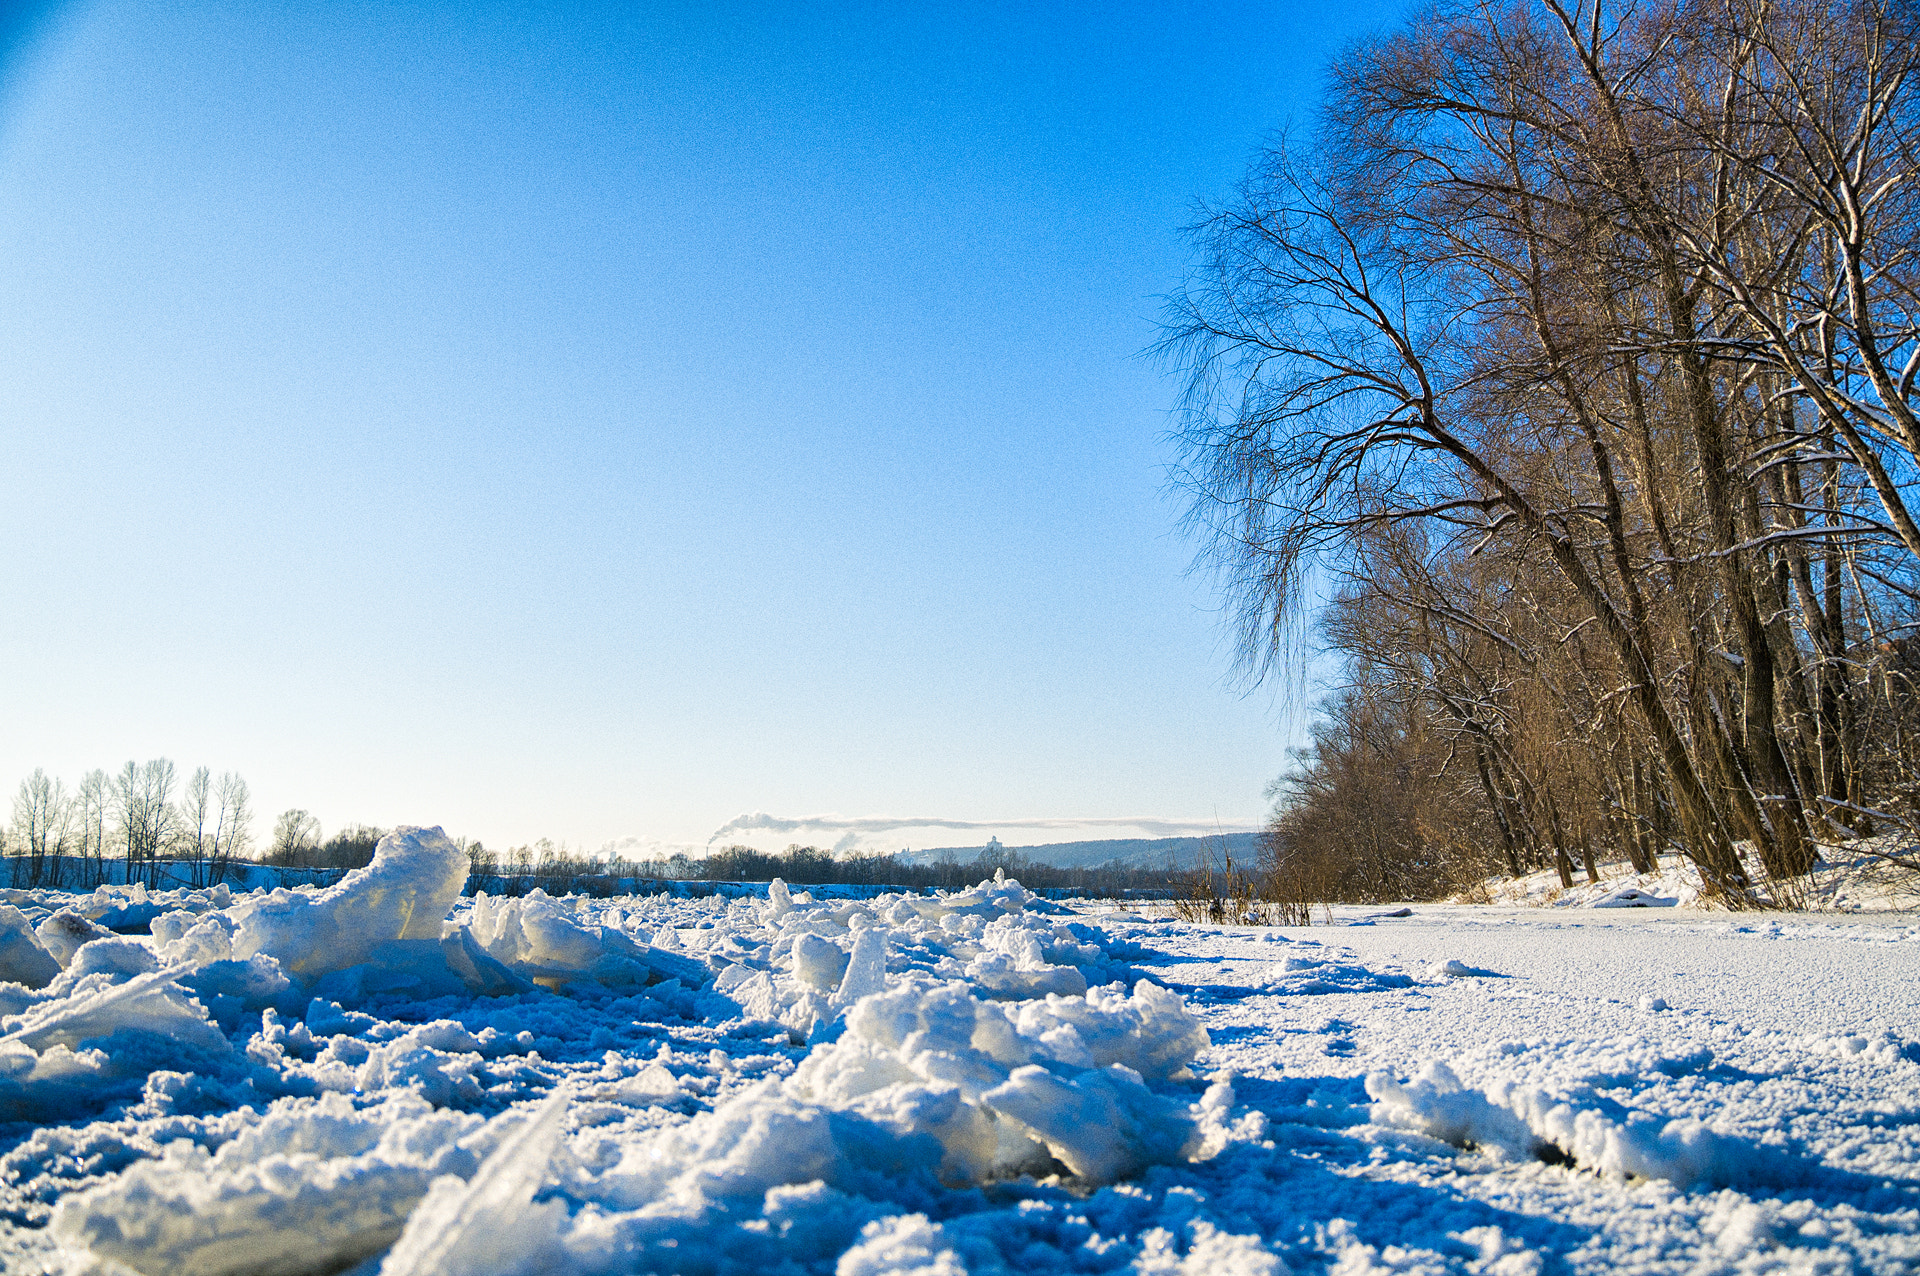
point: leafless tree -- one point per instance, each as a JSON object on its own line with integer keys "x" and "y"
{"x": 193, "y": 842}
{"x": 232, "y": 826}
{"x": 146, "y": 817}
{"x": 296, "y": 836}
{"x": 1574, "y": 358}
{"x": 93, "y": 802}
{"x": 43, "y": 823}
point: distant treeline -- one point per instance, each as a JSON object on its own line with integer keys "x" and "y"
{"x": 198, "y": 833}
{"x": 559, "y": 871}
{"x": 809, "y": 865}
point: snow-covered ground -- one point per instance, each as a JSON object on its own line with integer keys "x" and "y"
{"x": 1868, "y": 875}
{"x": 383, "y": 1077}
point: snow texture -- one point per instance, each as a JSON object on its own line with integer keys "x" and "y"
{"x": 382, "y": 1077}
{"x": 483, "y": 1223}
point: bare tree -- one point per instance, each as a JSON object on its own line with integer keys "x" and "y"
{"x": 296, "y": 837}
{"x": 42, "y": 825}
{"x": 147, "y": 820}
{"x": 1571, "y": 364}
{"x": 193, "y": 842}
{"x": 94, "y": 801}
{"x": 232, "y": 826}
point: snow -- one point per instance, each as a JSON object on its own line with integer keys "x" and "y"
{"x": 1857, "y": 876}
{"x": 404, "y": 894}
{"x": 309, "y": 1187}
{"x": 24, "y": 959}
{"x": 383, "y": 1077}
{"x": 489, "y": 1220}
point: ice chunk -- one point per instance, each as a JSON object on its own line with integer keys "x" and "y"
{"x": 866, "y": 968}
{"x": 23, "y": 959}
{"x": 489, "y": 1224}
{"x": 1103, "y": 1124}
{"x": 91, "y": 1041}
{"x": 88, "y": 1015}
{"x": 313, "y": 1187}
{"x": 63, "y": 933}
{"x": 405, "y": 893}
{"x": 1014, "y": 965}
{"x": 476, "y": 967}
{"x": 1002, "y": 977}
{"x": 760, "y": 1141}
{"x": 415, "y": 968}
{"x": 534, "y": 935}
{"x": 818, "y": 963}
{"x": 111, "y": 956}
{"x": 1149, "y": 1030}
{"x": 536, "y": 938}
{"x": 936, "y": 1060}
{"x": 779, "y": 901}
{"x": 180, "y": 936}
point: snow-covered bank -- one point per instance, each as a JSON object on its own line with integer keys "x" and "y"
{"x": 981, "y": 1082}
{"x": 1856, "y": 877}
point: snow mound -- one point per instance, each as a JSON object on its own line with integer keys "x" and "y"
{"x": 404, "y": 894}
{"x": 1882, "y": 1048}
{"x": 1513, "y": 1120}
{"x": 1315, "y": 971}
{"x": 98, "y": 1029}
{"x": 1003, "y": 1089}
{"x": 1676, "y": 886}
{"x": 313, "y": 1187}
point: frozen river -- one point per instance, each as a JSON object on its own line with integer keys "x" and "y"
{"x": 388, "y": 1077}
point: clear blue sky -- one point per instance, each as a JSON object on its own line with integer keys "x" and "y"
{"x": 600, "y": 422}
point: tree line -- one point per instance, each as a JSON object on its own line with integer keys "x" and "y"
{"x": 809, "y": 865}
{"x": 163, "y": 833}
{"x": 141, "y": 816}
{"x": 1561, "y": 378}
{"x": 158, "y": 830}
{"x": 559, "y": 871}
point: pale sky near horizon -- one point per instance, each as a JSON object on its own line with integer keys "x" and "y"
{"x": 605, "y": 422}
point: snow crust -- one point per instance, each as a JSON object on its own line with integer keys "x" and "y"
{"x": 383, "y": 1077}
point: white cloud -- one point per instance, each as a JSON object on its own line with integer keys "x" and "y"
{"x": 855, "y": 830}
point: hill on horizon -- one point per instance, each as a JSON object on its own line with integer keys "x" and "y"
{"x": 1130, "y": 852}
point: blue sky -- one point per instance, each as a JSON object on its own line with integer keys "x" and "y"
{"x": 601, "y": 422}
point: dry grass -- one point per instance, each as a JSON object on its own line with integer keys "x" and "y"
{"x": 1227, "y": 894}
